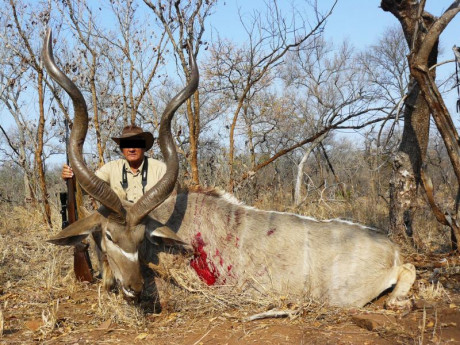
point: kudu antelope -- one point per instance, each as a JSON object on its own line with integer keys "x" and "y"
{"x": 335, "y": 261}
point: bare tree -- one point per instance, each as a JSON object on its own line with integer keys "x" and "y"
{"x": 20, "y": 39}
{"x": 184, "y": 23}
{"x": 83, "y": 27}
{"x": 118, "y": 65}
{"x": 422, "y": 31}
{"x": 242, "y": 72}
{"x": 325, "y": 90}
{"x": 12, "y": 78}
{"x": 140, "y": 55}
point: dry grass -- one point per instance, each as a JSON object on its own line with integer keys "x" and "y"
{"x": 37, "y": 285}
{"x": 44, "y": 273}
{"x": 36, "y": 276}
{"x": 51, "y": 282}
{"x": 432, "y": 291}
{"x": 113, "y": 307}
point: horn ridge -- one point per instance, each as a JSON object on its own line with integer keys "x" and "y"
{"x": 158, "y": 193}
{"x": 93, "y": 185}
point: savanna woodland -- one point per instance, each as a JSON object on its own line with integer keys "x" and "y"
{"x": 285, "y": 119}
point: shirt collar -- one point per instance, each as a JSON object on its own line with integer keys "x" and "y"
{"x": 128, "y": 169}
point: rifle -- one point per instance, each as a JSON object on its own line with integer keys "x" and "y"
{"x": 81, "y": 260}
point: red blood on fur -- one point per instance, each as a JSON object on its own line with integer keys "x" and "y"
{"x": 205, "y": 270}
{"x": 218, "y": 255}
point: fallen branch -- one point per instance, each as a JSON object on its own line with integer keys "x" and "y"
{"x": 442, "y": 217}
{"x": 272, "y": 314}
{"x": 432, "y": 262}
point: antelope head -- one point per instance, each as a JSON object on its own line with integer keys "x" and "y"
{"x": 123, "y": 225}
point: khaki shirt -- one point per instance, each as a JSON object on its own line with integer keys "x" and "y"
{"x": 112, "y": 174}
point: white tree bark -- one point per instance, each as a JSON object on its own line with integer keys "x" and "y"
{"x": 298, "y": 183}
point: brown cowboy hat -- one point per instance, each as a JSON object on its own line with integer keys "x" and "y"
{"x": 135, "y": 132}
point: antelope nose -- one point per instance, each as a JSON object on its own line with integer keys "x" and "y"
{"x": 130, "y": 294}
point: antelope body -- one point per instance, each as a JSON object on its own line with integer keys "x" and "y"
{"x": 335, "y": 261}
{"x": 338, "y": 262}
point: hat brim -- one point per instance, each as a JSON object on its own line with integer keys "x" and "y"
{"x": 147, "y": 136}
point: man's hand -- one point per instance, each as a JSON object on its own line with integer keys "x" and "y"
{"x": 67, "y": 172}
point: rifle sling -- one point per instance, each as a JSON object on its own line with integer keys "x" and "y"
{"x": 124, "y": 176}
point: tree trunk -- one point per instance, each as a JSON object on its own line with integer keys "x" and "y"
{"x": 403, "y": 192}
{"x": 408, "y": 161}
{"x": 39, "y": 153}
{"x": 298, "y": 184}
{"x": 194, "y": 131}
{"x": 100, "y": 145}
{"x": 250, "y": 135}
{"x": 446, "y": 129}
{"x": 29, "y": 196}
{"x": 231, "y": 149}
{"x": 407, "y": 164}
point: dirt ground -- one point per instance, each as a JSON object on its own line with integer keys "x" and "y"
{"x": 40, "y": 302}
{"x": 27, "y": 315}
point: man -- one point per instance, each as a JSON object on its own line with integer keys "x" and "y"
{"x": 134, "y": 174}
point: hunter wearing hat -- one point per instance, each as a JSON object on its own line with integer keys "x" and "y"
{"x": 134, "y": 174}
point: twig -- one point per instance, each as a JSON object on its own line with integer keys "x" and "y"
{"x": 422, "y": 331}
{"x": 1, "y": 323}
{"x": 204, "y": 335}
{"x": 441, "y": 63}
{"x": 272, "y": 314}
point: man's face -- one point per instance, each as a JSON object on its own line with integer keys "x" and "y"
{"x": 133, "y": 150}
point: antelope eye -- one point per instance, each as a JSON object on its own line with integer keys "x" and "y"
{"x": 108, "y": 237}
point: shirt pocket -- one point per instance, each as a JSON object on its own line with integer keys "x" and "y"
{"x": 119, "y": 191}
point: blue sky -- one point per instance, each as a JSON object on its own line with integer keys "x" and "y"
{"x": 362, "y": 22}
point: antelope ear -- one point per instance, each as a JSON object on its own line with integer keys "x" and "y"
{"x": 166, "y": 234}
{"x": 75, "y": 232}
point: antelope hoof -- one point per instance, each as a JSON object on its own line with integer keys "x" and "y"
{"x": 403, "y": 304}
